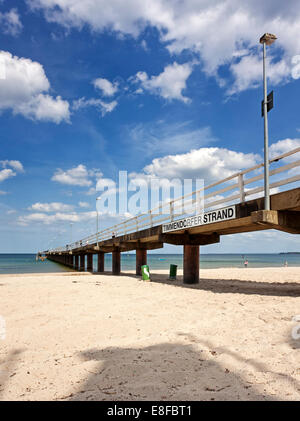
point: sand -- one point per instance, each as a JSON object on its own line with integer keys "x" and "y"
{"x": 73, "y": 336}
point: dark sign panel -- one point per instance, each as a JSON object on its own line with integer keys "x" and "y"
{"x": 270, "y": 103}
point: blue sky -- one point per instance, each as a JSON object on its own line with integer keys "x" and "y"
{"x": 91, "y": 88}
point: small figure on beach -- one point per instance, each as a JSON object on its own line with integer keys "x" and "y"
{"x": 286, "y": 264}
{"x": 246, "y": 263}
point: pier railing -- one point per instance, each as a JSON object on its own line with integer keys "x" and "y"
{"x": 284, "y": 170}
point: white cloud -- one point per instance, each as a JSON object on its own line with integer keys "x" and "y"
{"x": 210, "y": 164}
{"x": 219, "y": 32}
{"x": 77, "y": 176}
{"x": 46, "y": 108}
{"x": 83, "y": 204}
{"x": 103, "y": 107}
{"x": 50, "y": 207}
{"x": 6, "y": 173}
{"x": 169, "y": 84}
{"x": 10, "y": 22}
{"x": 15, "y": 166}
{"x": 283, "y": 146}
{"x": 2, "y": 192}
{"x": 47, "y": 219}
{"x": 23, "y": 90}
{"x": 248, "y": 73}
{"x": 106, "y": 87}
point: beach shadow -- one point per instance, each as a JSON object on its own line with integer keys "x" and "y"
{"x": 168, "y": 371}
{"x": 235, "y": 286}
{"x": 258, "y": 366}
{"x": 7, "y": 368}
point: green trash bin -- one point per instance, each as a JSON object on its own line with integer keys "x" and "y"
{"x": 145, "y": 273}
{"x": 173, "y": 272}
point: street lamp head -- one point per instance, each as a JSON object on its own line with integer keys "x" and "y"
{"x": 268, "y": 39}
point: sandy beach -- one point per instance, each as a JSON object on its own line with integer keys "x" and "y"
{"x": 72, "y": 336}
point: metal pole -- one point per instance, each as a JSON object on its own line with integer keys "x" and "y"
{"x": 71, "y": 232}
{"x": 266, "y": 135}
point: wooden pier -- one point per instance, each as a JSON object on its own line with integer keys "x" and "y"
{"x": 250, "y": 216}
{"x": 163, "y": 224}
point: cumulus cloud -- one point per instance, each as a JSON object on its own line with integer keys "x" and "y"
{"x": 210, "y": 164}
{"x": 6, "y": 173}
{"x": 50, "y": 207}
{"x": 105, "y": 86}
{"x": 283, "y": 146}
{"x": 169, "y": 84}
{"x": 10, "y": 22}
{"x": 103, "y": 107}
{"x": 77, "y": 176}
{"x": 219, "y": 32}
{"x": 248, "y": 73}
{"x": 24, "y": 91}
{"x": 10, "y": 169}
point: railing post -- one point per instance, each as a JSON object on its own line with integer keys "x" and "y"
{"x": 151, "y": 219}
{"x": 241, "y": 188}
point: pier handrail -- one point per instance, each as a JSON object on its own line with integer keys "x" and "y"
{"x": 169, "y": 210}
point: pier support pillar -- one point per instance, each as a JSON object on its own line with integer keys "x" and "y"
{"x": 100, "y": 262}
{"x": 89, "y": 265}
{"x": 82, "y": 265}
{"x": 116, "y": 262}
{"x": 190, "y": 264}
{"x": 76, "y": 264}
{"x": 141, "y": 259}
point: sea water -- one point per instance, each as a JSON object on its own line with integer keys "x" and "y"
{"x": 26, "y": 263}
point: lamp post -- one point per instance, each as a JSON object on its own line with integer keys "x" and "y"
{"x": 266, "y": 39}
